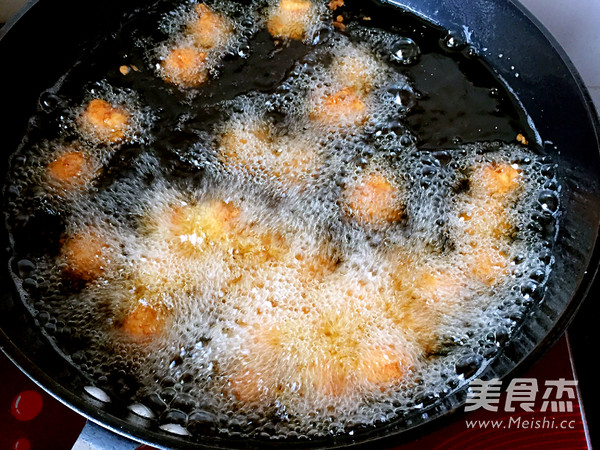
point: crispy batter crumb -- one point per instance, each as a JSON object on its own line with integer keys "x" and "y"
{"x": 335, "y": 4}
{"x": 522, "y": 139}
{"x": 339, "y": 25}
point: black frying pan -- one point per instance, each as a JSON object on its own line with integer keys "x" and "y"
{"x": 39, "y": 45}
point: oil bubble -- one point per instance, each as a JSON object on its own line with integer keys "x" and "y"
{"x": 403, "y": 96}
{"x": 468, "y": 365}
{"x": 405, "y": 51}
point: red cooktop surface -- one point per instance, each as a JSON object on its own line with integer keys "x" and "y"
{"x": 542, "y": 410}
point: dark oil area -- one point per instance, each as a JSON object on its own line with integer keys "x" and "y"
{"x": 459, "y": 101}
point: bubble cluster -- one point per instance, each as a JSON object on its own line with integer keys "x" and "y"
{"x": 294, "y": 266}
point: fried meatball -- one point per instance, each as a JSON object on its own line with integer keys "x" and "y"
{"x": 191, "y": 226}
{"x": 210, "y": 219}
{"x": 86, "y": 254}
{"x": 252, "y": 379}
{"x": 144, "y": 321}
{"x": 247, "y": 145}
{"x": 497, "y": 180}
{"x": 294, "y": 161}
{"x": 248, "y": 386}
{"x": 185, "y": 67}
{"x": 422, "y": 298}
{"x": 372, "y": 199}
{"x": 341, "y": 109}
{"x": 106, "y": 122}
{"x": 290, "y": 19}
{"x": 486, "y": 219}
{"x": 487, "y": 264}
{"x": 71, "y": 169}
{"x": 209, "y": 29}
{"x": 328, "y": 377}
{"x": 254, "y": 148}
{"x": 356, "y": 71}
{"x": 383, "y": 366}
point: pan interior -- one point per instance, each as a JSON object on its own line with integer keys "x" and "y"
{"x": 426, "y": 131}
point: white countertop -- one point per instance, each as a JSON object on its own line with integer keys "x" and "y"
{"x": 8, "y": 8}
{"x": 575, "y": 24}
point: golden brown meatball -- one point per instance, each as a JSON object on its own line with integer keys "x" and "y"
{"x": 254, "y": 148}
{"x": 356, "y": 71}
{"x": 294, "y": 161}
{"x": 328, "y": 377}
{"x": 382, "y": 365}
{"x": 106, "y": 122}
{"x": 247, "y": 145}
{"x": 86, "y": 254}
{"x": 496, "y": 180}
{"x": 487, "y": 264}
{"x": 341, "y": 109}
{"x": 248, "y": 386}
{"x": 372, "y": 200}
{"x": 71, "y": 169}
{"x": 144, "y": 321}
{"x": 422, "y": 298}
{"x": 209, "y": 29}
{"x": 252, "y": 380}
{"x": 486, "y": 219}
{"x": 188, "y": 228}
{"x": 290, "y": 19}
{"x": 185, "y": 67}
{"x": 210, "y": 220}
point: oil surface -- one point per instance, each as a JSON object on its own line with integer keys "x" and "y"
{"x": 248, "y": 260}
